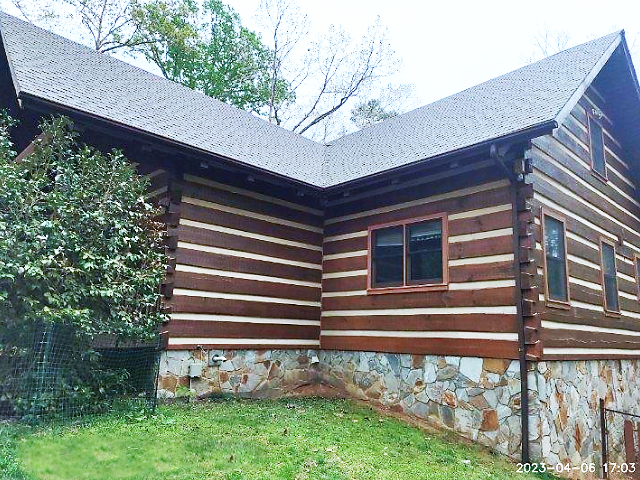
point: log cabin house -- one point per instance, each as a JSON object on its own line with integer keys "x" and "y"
{"x": 439, "y": 263}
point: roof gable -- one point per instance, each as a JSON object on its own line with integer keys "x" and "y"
{"x": 516, "y": 101}
{"x": 52, "y": 68}
{"x": 618, "y": 82}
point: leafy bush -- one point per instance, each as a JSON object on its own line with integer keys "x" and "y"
{"x": 81, "y": 256}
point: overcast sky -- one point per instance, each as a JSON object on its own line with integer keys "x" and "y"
{"x": 447, "y": 46}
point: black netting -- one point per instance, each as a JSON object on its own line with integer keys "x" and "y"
{"x": 52, "y": 371}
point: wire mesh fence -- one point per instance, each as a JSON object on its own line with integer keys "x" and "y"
{"x": 620, "y": 432}
{"x": 52, "y": 371}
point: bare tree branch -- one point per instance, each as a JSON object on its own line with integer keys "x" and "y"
{"x": 287, "y": 26}
{"x": 547, "y": 42}
{"x": 325, "y": 74}
{"x": 106, "y": 24}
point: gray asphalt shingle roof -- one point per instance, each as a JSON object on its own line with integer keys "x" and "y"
{"x": 510, "y": 103}
{"x": 58, "y": 70}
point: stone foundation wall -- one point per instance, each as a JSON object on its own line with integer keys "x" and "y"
{"x": 247, "y": 373}
{"x": 567, "y": 406}
{"x": 478, "y": 398}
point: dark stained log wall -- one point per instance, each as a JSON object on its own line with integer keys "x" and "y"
{"x": 474, "y": 316}
{"x": 593, "y": 209}
{"x": 248, "y": 269}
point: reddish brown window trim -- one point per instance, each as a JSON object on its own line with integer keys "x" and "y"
{"x": 591, "y": 118}
{"x": 636, "y": 272}
{"x": 406, "y": 288}
{"x": 565, "y": 304}
{"x": 607, "y": 310}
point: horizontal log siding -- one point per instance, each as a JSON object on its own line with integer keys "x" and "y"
{"x": 249, "y": 270}
{"x": 475, "y": 316}
{"x": 158, "y": 184}
{"x": 593, "y": 209}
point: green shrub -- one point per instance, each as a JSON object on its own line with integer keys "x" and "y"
{"x": 81, "y": 256}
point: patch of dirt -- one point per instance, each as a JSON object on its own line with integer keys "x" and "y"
{"x": 315, "y": 390}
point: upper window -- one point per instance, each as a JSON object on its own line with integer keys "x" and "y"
{"x": 609, "y": 277}
{"x": 555, "y": 254}
{"x": 636, "y": 263}
{"x": 596, "y": 139}
{"x": 409, "y": 254}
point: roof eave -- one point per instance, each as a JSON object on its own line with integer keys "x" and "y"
{"x": 14, "y": 78}
{"x": 537, "y": 130}
{"x": 564, "y": 112}
{"x": 34, "y": 102}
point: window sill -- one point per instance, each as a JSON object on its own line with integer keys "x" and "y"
{"x": 603, "y": 178}
{"x": 558, "y": 304}
{"x": 408, "y": 289}
{"x": 612, "y": 313}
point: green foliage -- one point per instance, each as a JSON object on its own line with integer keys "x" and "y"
{"x": 206, "y": 48}
{"x": 10, "y": 435}
{"x": 367, "y": 113}
{"x": 81, "y": 256}
{"x": 185, "y": 393}
{"x": 282, "y": 439}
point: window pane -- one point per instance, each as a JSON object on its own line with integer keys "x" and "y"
{"x": 556, "y": 259}
{"x": 424, "y": 260}
{"x": 611, "y": 291}
{"x": 610, "y": 278}
{"x": 388, "y": 256}
{"x": 597, "y": 147}
{"x": 608, "y": 259}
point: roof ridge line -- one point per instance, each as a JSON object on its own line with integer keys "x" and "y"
{"x": 564, "y": 51}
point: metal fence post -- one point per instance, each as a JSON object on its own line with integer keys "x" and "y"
{"x": 603, "y": 438}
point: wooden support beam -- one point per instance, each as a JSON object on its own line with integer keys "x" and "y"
{"x": 30, "y": 148}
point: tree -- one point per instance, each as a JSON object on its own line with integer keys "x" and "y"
{"x": 366, "y": 114}
{"x": 546, "y": 42}
{"x": 107, "y": 24}
{"x": 207, "y": 48}
{"x": 80, "y": 256}
{"x": 287, "y": 26}
{"x": 390, "y": 101}
{"x": 326, "y": 74}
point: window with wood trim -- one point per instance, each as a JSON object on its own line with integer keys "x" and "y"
{"x": 409, "y": 254}
{"x": 596, "y": 145}
{"x": 636, "y": 264}
{"x": 555, "y": 259}
{"x": 609, "y": 277}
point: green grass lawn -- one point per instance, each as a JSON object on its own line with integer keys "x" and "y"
{"x": 231, "y": 439}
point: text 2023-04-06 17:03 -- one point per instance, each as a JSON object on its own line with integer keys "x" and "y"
{"x": 607, "y": 468}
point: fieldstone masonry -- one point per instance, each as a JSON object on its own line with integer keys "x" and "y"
{"x": 567, "y": 429}
{"x": 247, "y": 373}
{"x": 477, "y": 398}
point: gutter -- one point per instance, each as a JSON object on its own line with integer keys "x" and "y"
{"x": 537, "y": 130}
{"x": 28, "y": 101}
{"x": 522, "y": 346}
